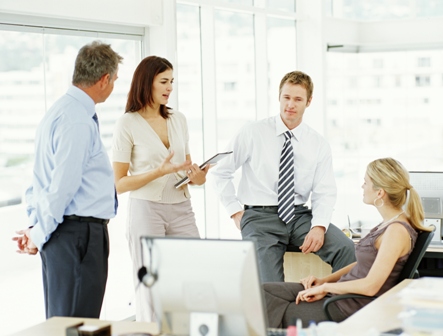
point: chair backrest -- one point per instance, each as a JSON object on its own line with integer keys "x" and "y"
{"x": 410, "y": 269}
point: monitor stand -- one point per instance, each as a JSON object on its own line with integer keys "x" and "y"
{"x": 204, "y": 324}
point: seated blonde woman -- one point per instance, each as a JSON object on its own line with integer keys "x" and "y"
{"x": 381, "y": 254}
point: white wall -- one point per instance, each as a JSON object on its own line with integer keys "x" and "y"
{"x": 422, "y": 33}
{"x": 155, "y": 18}
{"x": 128, "y": 12}
{"x": 416, "y": 32}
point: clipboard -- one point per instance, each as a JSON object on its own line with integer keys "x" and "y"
{"x": 212, "y": 161}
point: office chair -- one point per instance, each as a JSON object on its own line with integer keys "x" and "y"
{"x": 409, "y": 270}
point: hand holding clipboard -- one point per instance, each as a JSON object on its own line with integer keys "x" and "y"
{"x": 212, "y": 161}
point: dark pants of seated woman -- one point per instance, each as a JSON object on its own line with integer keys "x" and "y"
{"x": 282, "y": 310}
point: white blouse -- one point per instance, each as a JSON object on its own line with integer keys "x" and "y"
{"x": 135, "y": 142}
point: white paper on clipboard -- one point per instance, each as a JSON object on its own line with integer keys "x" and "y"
{"x": 212, "y": 161}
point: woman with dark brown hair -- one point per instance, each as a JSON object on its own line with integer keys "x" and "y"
{"x": 150, "y": 155}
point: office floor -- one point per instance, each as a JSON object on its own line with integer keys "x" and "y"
{"x": 21, "y": 288}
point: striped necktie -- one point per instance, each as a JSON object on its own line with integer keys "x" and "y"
{"x": 286, "y": 192}
{"x": 96, "y": 120}
{"x": 115, "y": 191}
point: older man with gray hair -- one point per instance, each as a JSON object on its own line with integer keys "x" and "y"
{"x": 72, "y": 196}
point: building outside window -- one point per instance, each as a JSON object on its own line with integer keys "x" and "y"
{"x": 35, "y": 70}
{"x": 400, "y": 118}
{"x": 230, "y": 62}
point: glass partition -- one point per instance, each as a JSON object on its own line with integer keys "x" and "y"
{"x": 378, "y": 105}
{"x": 235, "y": 85}
{"x": 188, "y": 83}
{"x": 282, "y": 43}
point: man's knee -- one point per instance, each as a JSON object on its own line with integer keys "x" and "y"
{"x": 338, "y": 250}
{"x": 344, "y": 255}
{"x": 347, "y": 247}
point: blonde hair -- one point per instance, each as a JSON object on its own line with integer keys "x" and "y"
{"x": 391, "y": 176}
{"x": 298, "y": 78}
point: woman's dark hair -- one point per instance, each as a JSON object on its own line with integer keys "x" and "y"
{"x": 140, "y": 93}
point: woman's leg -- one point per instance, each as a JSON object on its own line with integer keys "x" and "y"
{"x": 180, "y": 220}
{"x": 143, "y": 220}
{"x": 282, "y": 310}
{"x": 278, "y": 297}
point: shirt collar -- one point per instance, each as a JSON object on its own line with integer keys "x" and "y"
{"x": 281, "y": 128}
{"x": 83, "y": 98}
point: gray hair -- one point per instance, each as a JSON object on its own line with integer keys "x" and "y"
{"x": 93, "y": 61}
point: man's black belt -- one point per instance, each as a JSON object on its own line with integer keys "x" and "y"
{"x": 273, "y": 207}
{"x": 269, "y": 207}
{"x": 87, "y": 219}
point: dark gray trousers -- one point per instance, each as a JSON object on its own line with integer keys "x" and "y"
{"x": 75, "y": 269}
{"x": 282, "y": 310}
{"x": 272, "y": 237}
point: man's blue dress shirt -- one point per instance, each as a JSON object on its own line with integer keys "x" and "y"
{"x": 72, "y": 173}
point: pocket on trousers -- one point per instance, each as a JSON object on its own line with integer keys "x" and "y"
{"x": 82, "y": 247}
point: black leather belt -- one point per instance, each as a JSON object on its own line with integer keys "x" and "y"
{"x": 269, "y": 207}
{"x": 273, "y": 207}
{"x": 87, "y": 219}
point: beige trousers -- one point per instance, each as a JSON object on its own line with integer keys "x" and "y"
{"x": 147, "y": 218}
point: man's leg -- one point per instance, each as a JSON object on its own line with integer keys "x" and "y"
{"x": 45, "y": 283}
{"x": 271, "y": 236}
{"x": 93, "y": 272}
{"x": 76, "y": 268}
{"x": 337, "y": 250}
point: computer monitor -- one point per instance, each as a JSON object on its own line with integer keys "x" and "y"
{"x": 205, "y": 283}
{"x": 429, "y": 186}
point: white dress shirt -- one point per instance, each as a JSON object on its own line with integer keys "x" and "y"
{"x": 257, "y": 148}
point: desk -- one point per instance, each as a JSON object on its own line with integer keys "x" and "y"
{"x": 432, "y": 263}
{"x": 56, "y": 326}
{"x": 381, "y": 313}
{"x": 434, "y": 251}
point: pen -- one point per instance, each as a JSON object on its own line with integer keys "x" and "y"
{"x": 299, "y": 324}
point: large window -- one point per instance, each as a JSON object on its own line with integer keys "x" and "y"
{"x": 189, "y": 78}
{"x": 36, "y": 68}
{"x": 281, "y": 42}
{"x": 231, "y": 57}
{"x": 234, "y": 72}
{"x": 378, "y": 105}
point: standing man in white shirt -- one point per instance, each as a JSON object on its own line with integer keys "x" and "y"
{"x": 284, "y": 162}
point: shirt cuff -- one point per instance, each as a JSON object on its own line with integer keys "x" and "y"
{"x": 38, "y": 237}
{"x": 32, "y": 219}
{"x": 233, "y": 208}
{"x": 322, "y": 225}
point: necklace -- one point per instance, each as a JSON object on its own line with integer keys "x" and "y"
{"x": 383, "y": 224}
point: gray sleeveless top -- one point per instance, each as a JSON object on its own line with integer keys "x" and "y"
{"x": 366, "y": 253}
